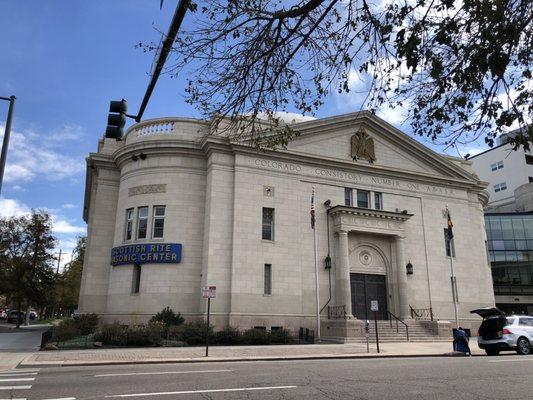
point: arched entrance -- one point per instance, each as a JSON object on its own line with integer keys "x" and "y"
{"x": 368, "y": 281}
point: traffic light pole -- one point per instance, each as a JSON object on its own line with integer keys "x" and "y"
{"x": 5, "y": 144}
{"x": 179, "y": 14}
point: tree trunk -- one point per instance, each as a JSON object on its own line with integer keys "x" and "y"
{"x": 19, "y": 306}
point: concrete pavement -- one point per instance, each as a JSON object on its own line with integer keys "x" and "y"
{"x": 234, "y": 353}
{"x": 18, "y": 344}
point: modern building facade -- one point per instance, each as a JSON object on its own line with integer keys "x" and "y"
{"x": 174, "y": 207}
{"x": 509, "y": 223}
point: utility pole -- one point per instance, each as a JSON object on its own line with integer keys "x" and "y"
{"x": 7, "y": 132}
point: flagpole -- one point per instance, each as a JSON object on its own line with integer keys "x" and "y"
{"x": 316, "y": 275}
{"x": 454, "y": 285}
{"x": 452, "y": 278}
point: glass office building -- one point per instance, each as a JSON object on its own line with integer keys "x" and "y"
{"x": 510, "y": 249}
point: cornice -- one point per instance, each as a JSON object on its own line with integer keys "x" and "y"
{"x": 368, "y": 212}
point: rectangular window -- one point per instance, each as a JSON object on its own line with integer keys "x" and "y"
{"x": 136, "y": 281}
{"x": 158, "y": 222}
{"x": 496, "y": 166}
{"x": 450, "y": 247}
{"x": 267, "y": 289}
{"x": 500, "y": 187}
{"x": 529, "y": 159}
{"x": 363, "y": 198}
{"x": 128, "y": 230}
{"x": 268, "y": 223}
{"x": 530, "y": 179}
{"x": 142, "y": 222}
{"x": 378, "y": 201}
{"x": 348, "y": 196}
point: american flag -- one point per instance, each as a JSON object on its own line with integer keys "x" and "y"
{"x": 450, "y": 226}
{"x": 313, "y": 210}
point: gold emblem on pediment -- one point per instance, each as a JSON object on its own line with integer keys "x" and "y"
{"x": 363, "y": 147}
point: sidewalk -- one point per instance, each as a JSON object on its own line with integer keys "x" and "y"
{"x": 234, "y": 353}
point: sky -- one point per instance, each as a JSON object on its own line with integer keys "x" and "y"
{"x": 65, "y": 60}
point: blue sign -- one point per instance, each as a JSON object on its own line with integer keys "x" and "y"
{"x": 146, "y": 253}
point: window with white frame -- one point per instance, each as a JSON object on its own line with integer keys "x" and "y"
{"x": 142, "y": 222}
{"x": 500, "y": 187}
{"x": 348, "y": 196}
{"x": 363, "y": 199}
{"x": 378, "y": 201}
{"x": 496, "y": 166}
{"x": 128, "y": 228}
{"x": 158, "y": 223}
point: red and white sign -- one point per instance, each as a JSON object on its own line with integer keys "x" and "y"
{"x": 209, "y": 292}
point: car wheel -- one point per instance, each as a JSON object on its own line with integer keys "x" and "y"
{"x": 522, "y": 346}
{"x": 492, "y": 352}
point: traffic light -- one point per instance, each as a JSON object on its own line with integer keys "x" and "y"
{"x": 116, "y": 119}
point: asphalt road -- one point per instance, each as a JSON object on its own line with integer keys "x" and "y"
{"x": 23, "y": 339}
{"x": 503, "y": 377}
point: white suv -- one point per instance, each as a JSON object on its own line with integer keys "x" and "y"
{"x": 499, "y": 332}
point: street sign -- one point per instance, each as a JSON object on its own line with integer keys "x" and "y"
{"x": 209, "y": 292}
{"x": 374, "y": 305}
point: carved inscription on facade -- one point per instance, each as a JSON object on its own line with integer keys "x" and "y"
{"x": 145, "y": 189}
{"x": 352, "y": 177}
{"x": 371, "y": 223}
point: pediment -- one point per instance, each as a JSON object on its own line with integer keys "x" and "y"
{"x": 363, "y": 138}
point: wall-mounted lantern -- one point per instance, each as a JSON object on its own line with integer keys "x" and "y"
{"x": 409, "y": 268}
{"x": 327, "y": 262}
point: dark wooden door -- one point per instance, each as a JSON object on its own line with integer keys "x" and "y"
{"x": 365, "y": 288}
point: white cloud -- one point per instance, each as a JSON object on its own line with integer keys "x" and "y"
{"x": 13, "y": 208}
{"x": 61, "y": 225}
{"x": 68, "y": 206}
{"x": 29, "y": 159}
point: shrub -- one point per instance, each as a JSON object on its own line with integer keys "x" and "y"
{"x": 79, "y": 325}
{"x": 144, "y": 335}
{"x": 194, "y": 333}
{"x": 281, "y": 336}
{"x": 227, "y": 336}
{"x": 168, "y": 317}
{"x": 255, "y": 337}
{"x": 86, "y": 323}
{"x": 67, "y": 330}
{"x": 112, "y": 334}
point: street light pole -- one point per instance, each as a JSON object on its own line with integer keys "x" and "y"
{"x": 7, "y": 132}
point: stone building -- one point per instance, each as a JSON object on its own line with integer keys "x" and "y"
{"x": 171, "y": 209}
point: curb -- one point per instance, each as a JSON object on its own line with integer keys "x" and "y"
{"x": 55, "y": 364}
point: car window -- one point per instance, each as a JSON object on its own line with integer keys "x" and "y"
{"x": 510, "y": 321}
{"x": 525, "y": 321}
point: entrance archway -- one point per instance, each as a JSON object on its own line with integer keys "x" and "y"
{"x": 368, "y": 281}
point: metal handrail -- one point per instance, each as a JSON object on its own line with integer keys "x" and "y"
{"x": 398, "y": 320}
{"x": 421, "y": 313}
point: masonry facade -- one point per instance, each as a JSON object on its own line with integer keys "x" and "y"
{"x": 241, "y": 218}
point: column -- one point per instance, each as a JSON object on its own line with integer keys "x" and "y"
{"x": 403, "y": 290}
{"x": 342, "y": 274}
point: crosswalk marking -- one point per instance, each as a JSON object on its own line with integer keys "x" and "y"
{"x": 15, "y": 387}
{"x": 17, "y": 380}
{"x": 3, "y": 374}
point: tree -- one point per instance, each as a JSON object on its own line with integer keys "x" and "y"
{"x": 68, "y": 283}
{"x": 26, "y": 259}
{"x": 461, "y": 68}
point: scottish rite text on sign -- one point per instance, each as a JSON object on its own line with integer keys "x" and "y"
{"x": 153, "y": 253}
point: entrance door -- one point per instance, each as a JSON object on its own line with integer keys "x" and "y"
{"x": 365, "y": 288}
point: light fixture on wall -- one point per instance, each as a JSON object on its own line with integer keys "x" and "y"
{"x": 142, "y": 156}
{"x": 134, "y": 158}
{"x": 409, "y": 268}
{"x": 327, "y": 262}
{"x": 327, "y": 203}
